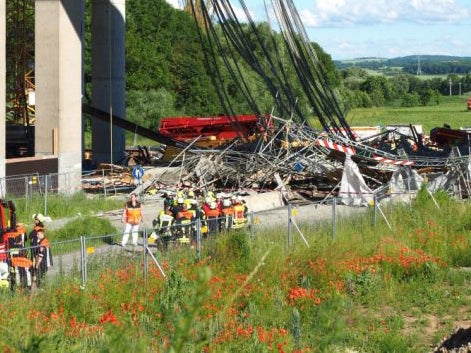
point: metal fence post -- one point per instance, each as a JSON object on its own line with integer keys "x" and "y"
{"x": 252, "y": 225}
{"x": 198, "y": 238}
{"x": 374, "y": 210}
{"x": 145, "y": 253}
{"x": 27, "y": 192}
{"x": 83, "y": 260}
{"x": 290, "y": 226}
{"x": 334, "y": 217}
{"x": 45, "y": 194}
{"x": 104, "y": 183}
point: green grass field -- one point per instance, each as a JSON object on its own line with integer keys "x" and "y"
{"x": 451, "y": 110}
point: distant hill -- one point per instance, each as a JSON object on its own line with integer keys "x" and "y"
{"x": 429, "y": 64}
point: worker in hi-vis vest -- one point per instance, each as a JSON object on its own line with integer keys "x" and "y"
{"x": 132, "y": 217}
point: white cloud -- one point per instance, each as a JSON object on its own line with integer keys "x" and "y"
{"x": 334, "y": 13}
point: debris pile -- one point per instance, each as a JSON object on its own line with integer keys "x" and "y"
{"x": 303, "y": 163}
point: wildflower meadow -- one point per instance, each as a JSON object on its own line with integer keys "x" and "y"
{"x": 368, "y": 289}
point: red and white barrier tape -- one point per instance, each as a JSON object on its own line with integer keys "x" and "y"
{"x": 335, "y": 146}
{"x": 392, "y": 161}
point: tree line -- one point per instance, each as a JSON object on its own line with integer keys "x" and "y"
{"x": 167, "y": 74}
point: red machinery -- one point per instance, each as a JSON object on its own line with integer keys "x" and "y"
{"x": 446, "y": 136}
{"x": 12, "y": 236}
{"x": 8, "y": 227}
{"x": 214, "y": 130}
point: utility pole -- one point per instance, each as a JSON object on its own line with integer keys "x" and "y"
{"x": 450, "y": 86}
{"x": 459, "y": 85}
{"x": 419, "y": 68}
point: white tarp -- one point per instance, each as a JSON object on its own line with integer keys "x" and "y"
{"x": 353, "y": 189}
{"x": 405, "y": 180}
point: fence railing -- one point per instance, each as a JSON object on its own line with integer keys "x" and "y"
{"x": 75, "y": 258}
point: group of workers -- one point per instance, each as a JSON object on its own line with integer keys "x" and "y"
{"x": 216, "y": 212}
{"x": 23, "y": 263}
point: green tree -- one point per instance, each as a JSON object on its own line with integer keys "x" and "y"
{"x": 164, "y": 55}
{"x": 410, "y": 99}
{"x": 400, "y": 85}
{"x": 148, "y": 107}
{"x": 378, "y": 88}
{"x": 429, "y": 96}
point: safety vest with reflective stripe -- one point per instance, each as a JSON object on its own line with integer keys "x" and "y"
{"x": 133, "y": 213}
{"x": 212, "y": 213}
{"x": 239, "y": 219}
{"x": 45, "y": 252}
{"x": 228, "y": 211}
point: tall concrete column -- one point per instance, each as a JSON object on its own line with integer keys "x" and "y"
{"x": 58, "y": 77}
{"x": 2, "y": 92}
{"x": 108, "y": 77}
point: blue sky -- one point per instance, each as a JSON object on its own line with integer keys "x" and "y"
{"x": 348, "y": 29}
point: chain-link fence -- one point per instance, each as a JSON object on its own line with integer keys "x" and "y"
{"x": 77, "y": 258}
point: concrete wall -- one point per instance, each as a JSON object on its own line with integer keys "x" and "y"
{"x": 58, "y": 75}
{"x": 108, "y": 77}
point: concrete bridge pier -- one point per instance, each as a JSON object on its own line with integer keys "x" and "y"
{"x": 108, "y": 78}
{"x": 58, "y": 76}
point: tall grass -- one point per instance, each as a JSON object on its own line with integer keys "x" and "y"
{"x": 368, "y": 289}
{"x": 63, "y": 206}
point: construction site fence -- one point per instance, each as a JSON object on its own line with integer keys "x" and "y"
{"x": 84, "y": 257}
{"x": 29, "y": 186}
{"x": 45, "y": 187}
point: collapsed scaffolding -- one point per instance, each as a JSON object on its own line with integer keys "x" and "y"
{"x": 288, "y": 154}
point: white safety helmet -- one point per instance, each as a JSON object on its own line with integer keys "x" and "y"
{"x": 180, "y": 200}
{"x": 39, "y": 217}
{"x": 208, "y": 200}
{"x": 213, "y": 205}
{"x": 226, "y": 203}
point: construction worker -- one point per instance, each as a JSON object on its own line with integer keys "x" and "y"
{"x": 43, "y": 259}
{"x": 169, "y": 200}
{"x": 190, "y": 196}
{"x": 227, "y": 213}
{"x": 212, "y": 216}
{"x": 20, "y": 264}
{"x": 132, "y": 217}
{"x": 184, "y": 220}
{"x": 163, "y": 223}
{"x": 178, "y": 207}
{"x": 38, "y": 219}
{"x": 240, "y": 212}
{"x": 219, "y": 198}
